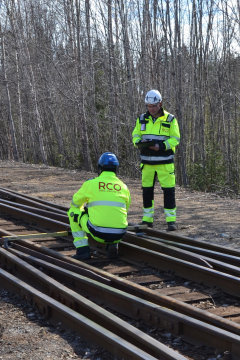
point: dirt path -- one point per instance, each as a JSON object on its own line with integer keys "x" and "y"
{"x": 202, "y": 216}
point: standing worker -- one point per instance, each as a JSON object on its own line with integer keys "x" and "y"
{"x": 99, "y": 208}
{"x": 156, "y": 134}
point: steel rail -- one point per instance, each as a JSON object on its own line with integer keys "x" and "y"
{"x": 75, "y": 266}
{"x": 29, "y": 200}
{"x": 120, "y": 301}
{"x": 24, "y": 214}
{"x": 174, "y": 302}
{"x": 155, "y": 244}
{"x": 160, "y": 235}
{"x": 27, "y": 216}
{"x": 190, "y": 241}
{"x": 73, "y": 320}
{"x": 216, "y": 251}
{"x": 213, "y": 254}
{"x": 56, "y": 290}
{"x": 186, "y": 269}
{"x": 227, "y": 282}
{"x": 36, "y": 210}
{"x": 150, "y": 244}
{"x": 21, "y": 211}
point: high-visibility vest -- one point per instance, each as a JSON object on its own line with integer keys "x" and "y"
{"x": 107, "y": 199}
{"x": 164, "y": 128}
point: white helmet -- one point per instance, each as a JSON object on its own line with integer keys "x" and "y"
{"x": 153, "y": 97}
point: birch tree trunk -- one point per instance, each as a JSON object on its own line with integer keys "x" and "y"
{"x": 21, "y": 121}
{"x": 75, "y": 74}
{"x": 84, "y": 142}
{"x": 91, "y": 82}
{"x": 112, "y": 88}
{"x": 13, "y": 143}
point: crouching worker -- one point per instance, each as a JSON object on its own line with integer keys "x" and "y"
{"x": 99, "y": 208}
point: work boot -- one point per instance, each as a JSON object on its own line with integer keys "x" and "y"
{"x": 112, "y": 251}
{"x": 149, "y": 224}
{"x": 82, "y": 253}
{"x": 171, "y": 226}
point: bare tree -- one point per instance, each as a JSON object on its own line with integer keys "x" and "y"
{"x": 13, "y": 143}
{"x": 74, "y": 77}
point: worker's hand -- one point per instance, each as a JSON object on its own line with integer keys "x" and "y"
{"x": 158, "y": 146}
{"x": 155, "y": 147}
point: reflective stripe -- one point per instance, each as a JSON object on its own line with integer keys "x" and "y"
{"x": 80, "y": 243}
{"x": 148, "y": 210}
{"x": 107, "y": 230}
{"x": 157, "y": 158}
{"x": 107, "y": 203}
{"x": 78, "y": 234}
{"x": 170, "y": 213}
{"x": 168, "y": 146}
{"x": 73, "y": 204}
{"x": 136, "y": 136}
{"x": 170, "y": 117}
{"x": 154, "y": 137}
{"x": 148, "y": 215}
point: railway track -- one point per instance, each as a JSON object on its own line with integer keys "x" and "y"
{"x": 161, "y": 283}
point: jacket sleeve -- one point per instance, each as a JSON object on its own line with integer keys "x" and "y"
{"x": 80, "y": 197}
{"x": 136, "y": 134}
{"x": 128, "y": 200}
{"x": 174, "y": 136}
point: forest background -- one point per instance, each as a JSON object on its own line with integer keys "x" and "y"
{"x": 73, "y": 76}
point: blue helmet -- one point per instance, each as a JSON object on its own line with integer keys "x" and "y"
{"x": 108, "y": 162}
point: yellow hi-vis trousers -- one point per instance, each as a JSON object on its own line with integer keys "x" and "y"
{"x": 166, "y": 177}
{"x": 79, "y": 232}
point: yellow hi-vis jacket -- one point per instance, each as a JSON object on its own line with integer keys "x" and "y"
{"x": 107, "y": 199}
{"x": 165, "y": 128}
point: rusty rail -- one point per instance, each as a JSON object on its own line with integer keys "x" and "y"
{"x": 150, "y": 251}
